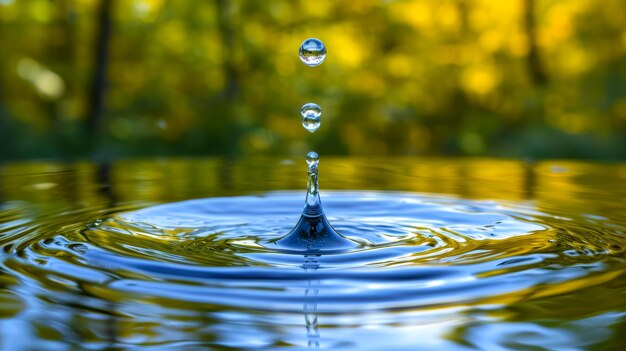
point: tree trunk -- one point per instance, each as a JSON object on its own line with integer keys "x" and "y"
{"x": 98, "y": 88}
{"x": 535, "y": 65}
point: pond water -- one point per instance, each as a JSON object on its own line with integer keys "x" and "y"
{"x": 180, "y": 254}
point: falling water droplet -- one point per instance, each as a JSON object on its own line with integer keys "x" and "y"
{"x": 312, "y": 52}
{"x": 311, "y": 114}
{"x": 313, "y": 232}
{"x": 312, "y": 158}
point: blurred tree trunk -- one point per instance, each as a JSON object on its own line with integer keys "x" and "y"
{"x": 535, "y": 65}
{"x": 64, "y": 50}
{"x": 6, "y": 137}
{"x": 226, "y": 37}
{"x": 63, "y": 53}
{"x": 464, "y": 9}
{"x": 98, "y": 87}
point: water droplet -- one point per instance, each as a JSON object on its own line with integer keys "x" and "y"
{"x": 311, "y": 114}
{"x": 312, "y": 158}
{"x": 312, "y": 52}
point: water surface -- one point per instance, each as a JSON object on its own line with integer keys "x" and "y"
{"x": 181, "y": 254}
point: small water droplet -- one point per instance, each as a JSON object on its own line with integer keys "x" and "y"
{"x": 312, "y": 52}
{"x": 312, "y": 158}
{"x": 311, "y": 115}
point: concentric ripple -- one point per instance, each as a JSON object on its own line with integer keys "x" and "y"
{"x": 516, "y": 256}
{"x": 414, "y": 251}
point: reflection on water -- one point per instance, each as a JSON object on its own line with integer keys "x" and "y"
{"x": 310, "y": 303}
{"x": 453, "y": 254}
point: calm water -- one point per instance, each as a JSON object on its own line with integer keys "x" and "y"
{"x": 179, "y": 255}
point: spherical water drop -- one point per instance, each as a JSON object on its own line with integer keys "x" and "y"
{"x": 312, "y": 52}
{"x": 311, "y": 114}
{"x": 312, "y": 158}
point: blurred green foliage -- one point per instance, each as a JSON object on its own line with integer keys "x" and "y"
{"x": 523, "y": 78}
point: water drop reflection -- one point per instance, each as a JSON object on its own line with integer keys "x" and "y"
{"x": 312, "y": 52}
{"x": 311, "y": 117}
{"x": 311, "y": 263}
